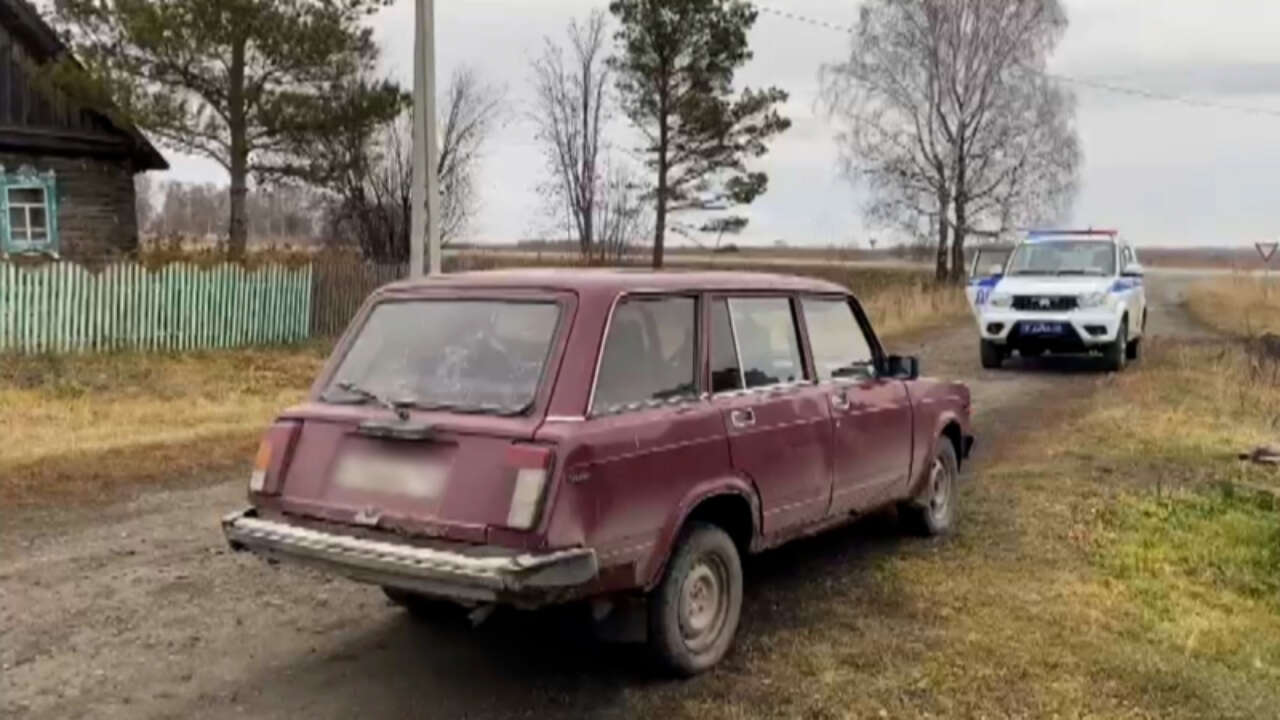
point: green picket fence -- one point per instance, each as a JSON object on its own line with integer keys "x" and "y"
{"x": 62, "y": 307}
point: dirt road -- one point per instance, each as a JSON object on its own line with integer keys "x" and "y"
{"x": 139, "y": 611}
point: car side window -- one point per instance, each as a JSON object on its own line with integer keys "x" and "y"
{"x": 840, "y": 348}
{"x": 648, "y": 354}
{"x": 767, "y": 342}
{"x": 1126, "y": 257}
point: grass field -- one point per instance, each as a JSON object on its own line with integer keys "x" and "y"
{"x": 1116, "y": 562}
{"x": 1240, "y": 305}
{"x": 85, "y": 428}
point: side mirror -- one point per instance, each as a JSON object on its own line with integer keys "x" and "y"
{"x": 1132, "y": 270}
{"x": 995, "y": 270}
{"x": 903, "y": 367}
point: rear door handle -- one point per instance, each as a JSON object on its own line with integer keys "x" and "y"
{"x": 840, "y": 400}
{"x": 743, "y": 418}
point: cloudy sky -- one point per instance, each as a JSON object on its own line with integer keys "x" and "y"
{"x": 1165, "y": 173}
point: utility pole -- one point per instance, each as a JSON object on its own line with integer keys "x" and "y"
{"x": 425, "y": 194}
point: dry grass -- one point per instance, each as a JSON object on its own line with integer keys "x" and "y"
{"x": 86, "y": 427}
{"x": 1241, "y": 305}
{"x": 915, "y": 306}
{"x": 1110, "y": 563}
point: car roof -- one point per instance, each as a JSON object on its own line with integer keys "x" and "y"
{"x": 619, "y": 280}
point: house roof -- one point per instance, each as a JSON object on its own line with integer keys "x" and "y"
{"x": 43, "y": 45}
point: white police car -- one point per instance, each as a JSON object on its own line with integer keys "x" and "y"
{"x": 1061, "y": 291}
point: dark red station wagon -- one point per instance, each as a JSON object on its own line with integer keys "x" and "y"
{"x": 623, "y": 438}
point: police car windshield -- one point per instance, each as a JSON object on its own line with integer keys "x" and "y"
{"x": 1064, "y": 257}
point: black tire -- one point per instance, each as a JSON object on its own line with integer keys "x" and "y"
{"x": 694, "y": 611}
{"x": 1134, "y": 350}
{"x": 933, "y": 510}
{"x": 992, "y": 355}
{"x": 1116, "y": 355}
{"x": 426, "y": 609}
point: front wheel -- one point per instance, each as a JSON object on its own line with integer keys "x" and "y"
{"x": 694, "y": 611}
{"x": 1116, "y": 355}
{"x": 1134, "y": 351}
{"x": 992, "y": 355}
{"x": 932, "y": 511}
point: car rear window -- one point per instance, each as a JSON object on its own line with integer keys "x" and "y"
{"x": 648, "y": 354}
{"x": 463, "y": 355}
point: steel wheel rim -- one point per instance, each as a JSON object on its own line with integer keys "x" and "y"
{"x": 939, "y": 490}
{"x": 704, "y": 602}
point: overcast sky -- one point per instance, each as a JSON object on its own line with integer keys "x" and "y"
{"x": 1164, "y": 173}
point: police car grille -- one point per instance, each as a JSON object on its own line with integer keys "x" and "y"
{"x": 1044, "y": 303}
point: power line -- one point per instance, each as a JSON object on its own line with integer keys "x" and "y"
{"x": 1083, "y": 82}
{"x": 805, "y": 19}
{"x": 1162, "y": 97}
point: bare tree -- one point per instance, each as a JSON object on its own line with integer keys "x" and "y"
{"x": 623, "y": 215}
{"x": 950, "y": 121}
{"x": 373, "y": 176}
{"x": 570, "y": 108}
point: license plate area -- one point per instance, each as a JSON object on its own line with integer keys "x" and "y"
{"x": 411, "y": 470}
{"x": 1043, "y": 329}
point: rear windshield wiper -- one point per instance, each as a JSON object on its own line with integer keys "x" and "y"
{"x": 399, "y": 407}
{"x": 475, "y": 408}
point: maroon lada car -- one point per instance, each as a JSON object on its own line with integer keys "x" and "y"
{"x": 624, "y": 438}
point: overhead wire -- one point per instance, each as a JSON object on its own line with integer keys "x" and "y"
{"x": 1059, "y": 77}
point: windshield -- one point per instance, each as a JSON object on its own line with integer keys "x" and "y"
{"x": 1064, "y": 257}
{"x": 462, "y": 355}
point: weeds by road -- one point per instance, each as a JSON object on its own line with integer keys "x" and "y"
{"x": 1240, "y": 305}
{"x": 85, "y": 428}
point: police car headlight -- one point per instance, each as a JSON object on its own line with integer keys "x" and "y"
{"x": 1000, "y": 300}
{"x": 1093, "y": 299}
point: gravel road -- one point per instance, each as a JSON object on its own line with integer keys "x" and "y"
{"x": 138, "y": 610}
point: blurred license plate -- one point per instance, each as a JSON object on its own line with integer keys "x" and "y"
{"x": 1042, "y": 328}
{"x": 411, "y": 477}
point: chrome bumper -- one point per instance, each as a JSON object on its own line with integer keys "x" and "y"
{"x": 441, "y": 573}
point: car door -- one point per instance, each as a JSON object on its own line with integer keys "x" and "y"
{"x": 870, "y": 415}
{"x": 649, "y": 436}
{"x": 1132, "y": 290}
{"x": 777, "y": 421}
{"x": 984, "y": 273}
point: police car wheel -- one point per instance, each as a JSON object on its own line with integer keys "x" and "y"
{"x": 1117, "y": 353}
{"x": 1134, "y": 351}
{"x": 992, "y": 355}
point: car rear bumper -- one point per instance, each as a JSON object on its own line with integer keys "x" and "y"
{"x": 506, "y": 576}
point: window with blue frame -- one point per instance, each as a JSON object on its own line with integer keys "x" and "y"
{"x": 28, "y": 212}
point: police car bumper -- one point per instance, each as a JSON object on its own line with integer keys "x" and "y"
{"x": 1077, "y": 330}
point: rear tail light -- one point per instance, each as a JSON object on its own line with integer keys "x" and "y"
{"x": 532, "y": 466}
{"x": 261, "y": 461}
{"x": 273, "y": 455}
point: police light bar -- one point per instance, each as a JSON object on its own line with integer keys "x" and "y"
{"x": 1089, "y": 231}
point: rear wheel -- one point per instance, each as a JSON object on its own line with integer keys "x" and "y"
{"x": 694, "y": 611}
{"x": 1116, "y": 354}
{"x": 424, "y": 608}
{"x": 992, "y": 355}
{"x": 932, "y": 511}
